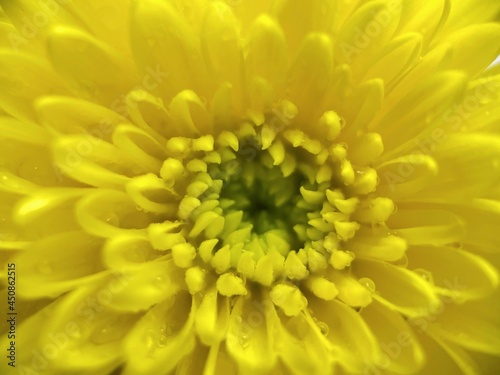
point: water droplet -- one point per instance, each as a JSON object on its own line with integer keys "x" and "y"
{"x": 367, "y": 283}
{"x": 111, "y": 218}
{"x": 45, "y": 268}
{"x": 149, "y": 339}
{"x": 424, "y": 274}
{"x": 245, "y": 340}
{"x": 163, "y": 336}
{"x": 323, "y": 327}
{"x": 161, "y": 282}
{"x": 33, "y": 170}
{"x": 136, "y": 255}
{"x": 342, "y": 123}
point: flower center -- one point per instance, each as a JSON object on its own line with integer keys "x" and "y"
{"x": 267, "y": 201}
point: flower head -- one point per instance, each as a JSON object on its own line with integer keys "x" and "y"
{"x": 251, "y": 187}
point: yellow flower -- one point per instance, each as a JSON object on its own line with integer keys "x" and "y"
{"x": 250, "y": 187}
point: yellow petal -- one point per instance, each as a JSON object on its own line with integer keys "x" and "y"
{"x": 480, "y": 218}
{"x": 86, "y": 332}
{"x": 221, "y": 45}
{"x": 106, "y": 213}
{"x": 440, "y": 358}
{"x": 415, "y": 111}
{"x": 143, "y": 148}
{"x": 144, "y": 286}
{"x": 212, "y": 318}
{"x": 399, "y": 288}
{"x": 59, "y": 263}
{"x": 91, "y": 161}
{"x": 472, "y": 325}
{"x": 129, "y": 251}
{"x": 250, "y": 339}
{"x": 24, "y": 131}
{"x": 266, "y": 51}
{"x": 474, "y": 47}
{"x": 302, "y": 346}
{"x": 419, "y": 226}
{"x": 424, "y": 18}
{"x": 150, "y": 193}
{"x": 367, "y": 245}
{"x": 402, "y": 52}
{"x": 311, "y": 71}
{"x": 157, "y": 30}
{"x": 75, "y": 54}
{"x": 370, "y": 26}
{"x": 162, "y": 337}
{"x": 401, "y": 352}
{"x": 66, "y": 115}
{"x": 448, "y": 266}
{"x": 23, "y": 79}
{"x": 347, "y": 332}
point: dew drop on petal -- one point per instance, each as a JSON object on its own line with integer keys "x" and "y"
{"x": 161, "y": 282}
{"x": 424, "y": 274}
{"x": 163, "y": 336}
{"x": 245, "y": 340}
{"x": 136, "y": 254}
{"x": 149, "y": 339}
{"x": 367, "y": 283}
{"x": 108, "y": 332}
{"x": 33, "y": 170}
{"x": 111, "y": 218}
{"x": 323, "y": 327}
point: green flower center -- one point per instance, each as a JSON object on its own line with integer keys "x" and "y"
{"x": 267, "y": 200}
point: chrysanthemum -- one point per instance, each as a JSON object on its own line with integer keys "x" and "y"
{"x": 250, "y": 187}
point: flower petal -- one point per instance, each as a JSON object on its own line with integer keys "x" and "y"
{"x": 144, "y": 286}
{"x": 310, "y": 73}
{"x": 75, "y": 54}
{"x": 107, "y": 213}
{"x": 447, "y": 265}
{"x": 19, "y": 90}
{"x": 250, "y": 339}
{"x": 473, "y": 325}
{"x": 400, "y": 347}
{"x": 426, "y": 226}
{"x": 157, "y": 30}
{"x": 212, "y": 318}
{"x": 85, "y": 333}
{"x": 162, "y": 337}
{"x": 266, "y": 52}
{"x": 66, "y": 115}
{"x": 398, "y": 288}
{"x": 347, "y": 332}
{"x": 59, "y": 263}
{"x": 474, "y": 47}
